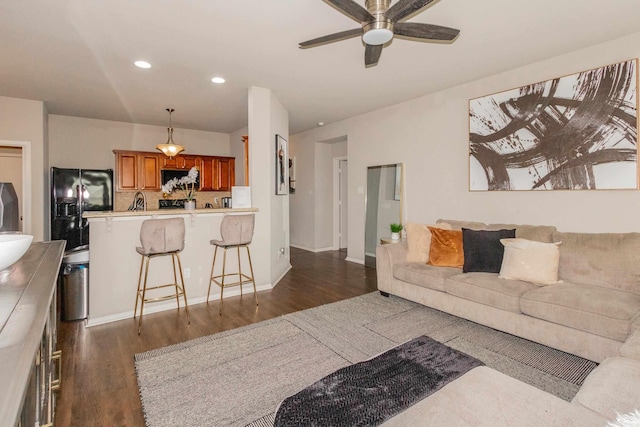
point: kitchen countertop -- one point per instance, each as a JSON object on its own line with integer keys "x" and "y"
{"x": 114, "y": 214}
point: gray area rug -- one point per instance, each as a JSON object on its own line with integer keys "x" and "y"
{"x": 238, "y": 377}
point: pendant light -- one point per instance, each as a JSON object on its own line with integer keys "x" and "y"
{"x": 170, "y": 148}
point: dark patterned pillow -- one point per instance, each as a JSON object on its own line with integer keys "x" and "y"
{"x": 483, "y": 251}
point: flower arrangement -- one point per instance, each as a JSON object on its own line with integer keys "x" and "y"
{"x": 187, "y": 184}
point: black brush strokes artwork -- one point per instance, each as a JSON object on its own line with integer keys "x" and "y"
{"x": 571, "y": 133}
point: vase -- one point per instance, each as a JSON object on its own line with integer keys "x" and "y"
{"x": 395, "y": 236}
{"x": 190, "y": 205}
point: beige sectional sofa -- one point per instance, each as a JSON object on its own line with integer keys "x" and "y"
{"x": 590, "y": 314}
{"x": 593, "y": 312}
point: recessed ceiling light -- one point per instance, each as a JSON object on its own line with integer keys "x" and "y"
{"x": 218, "y": 80}
{"x": 320, "y": 123}
{"x": 142, "y": 64}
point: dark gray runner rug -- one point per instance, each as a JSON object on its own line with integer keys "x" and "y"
{"x": 369, "y": 393}
{"x": 238, "y": 377}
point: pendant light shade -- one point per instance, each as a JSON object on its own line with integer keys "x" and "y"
{"x": 170, "y": 148}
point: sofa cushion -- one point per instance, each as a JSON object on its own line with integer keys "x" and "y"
{"x": 631, "y": 347}
{"x": 482, "y": 249}
{"x": 608, "y": 260}
{"x": 488, "y": 289}
{"x": 539, "y": 233}
{"x": 446, "y": 248}
{"x": 459, "y": 225}
{"x": 424, "y": 275}
{"x": 528, "y": 260}
{"x": 611, "y": 388}
{"x": 419, "y": 241}
{"x": 593, "y": 309}
{"x": 484, "y": 397}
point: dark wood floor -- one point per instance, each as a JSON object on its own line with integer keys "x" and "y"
{"x": 98, "y": 379}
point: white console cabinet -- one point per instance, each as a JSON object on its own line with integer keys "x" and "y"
{"x": 29, "y": 362}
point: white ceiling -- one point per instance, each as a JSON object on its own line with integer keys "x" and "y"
{"x": 77, "y": 55}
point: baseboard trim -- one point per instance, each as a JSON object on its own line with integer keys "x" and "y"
{"x": 357, "y": 261}
{"x": 157, "y": 307}
{"x": 304, "y": 248}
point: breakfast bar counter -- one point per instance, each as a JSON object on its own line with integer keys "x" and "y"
{"x": 115, "y": 264}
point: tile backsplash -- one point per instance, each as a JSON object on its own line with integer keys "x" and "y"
{"x": 123, "y": 199}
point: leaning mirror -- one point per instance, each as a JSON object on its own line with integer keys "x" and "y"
{"x": 383, "y": 206}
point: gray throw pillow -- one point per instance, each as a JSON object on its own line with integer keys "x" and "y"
{"x": 482, "y": 249}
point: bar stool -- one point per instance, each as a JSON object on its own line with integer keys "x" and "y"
{"x": 161, "y": 237}
{"x": 236, "y": 232}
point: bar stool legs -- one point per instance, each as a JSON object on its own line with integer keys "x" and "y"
{"x": 220, "y": 279}
{"x": 141, "y": 294}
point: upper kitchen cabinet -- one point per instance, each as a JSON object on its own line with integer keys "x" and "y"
{"x": 137, "y": 171}
{"x": 180, "y": 161}
{"x": 217, "y": 173}
{"x": 225, "y": 173}
{"x": 149, "y": 171}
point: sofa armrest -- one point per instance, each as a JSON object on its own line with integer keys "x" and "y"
{"x": 386, "y": 256}
{"x": 631, "y": 347}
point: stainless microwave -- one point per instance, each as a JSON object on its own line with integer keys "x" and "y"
{"x": 168, "y": 174}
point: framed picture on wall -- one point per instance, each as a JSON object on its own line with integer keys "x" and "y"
{"x": 282, "y": 166}
{"x": 577, "y": 132}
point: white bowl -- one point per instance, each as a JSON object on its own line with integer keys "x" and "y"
{"x": 12, "y": 247}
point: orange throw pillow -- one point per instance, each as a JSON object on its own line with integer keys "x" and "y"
{"x": 446, "y": 248}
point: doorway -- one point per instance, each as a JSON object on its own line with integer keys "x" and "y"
{"x": 340, "y": 203}
{"x": 15, "y": 168}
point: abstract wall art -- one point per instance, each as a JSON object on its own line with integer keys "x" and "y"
{"x": 282, "y": 166}
{"x": 577, "y": 132}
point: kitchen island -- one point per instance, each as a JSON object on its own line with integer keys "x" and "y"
{"x": 114, "y": 264}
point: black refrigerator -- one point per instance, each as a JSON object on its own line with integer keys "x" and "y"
{"x": 74, "y": 191}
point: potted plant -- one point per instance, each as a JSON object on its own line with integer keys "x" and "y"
{"x": 395, "y": 231}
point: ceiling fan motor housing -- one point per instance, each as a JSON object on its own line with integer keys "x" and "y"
{"x": 380, "y": 30}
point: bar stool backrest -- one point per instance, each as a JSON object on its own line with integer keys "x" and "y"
{"x": 237, "y": 229}
{"x": 159, "y": 236}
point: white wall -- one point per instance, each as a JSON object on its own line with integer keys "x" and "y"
{"x": 430, "y": 136}
{"x": 76, "y": 142}
{"x": 267, "y": 117}
{"x": 26, "y": 121}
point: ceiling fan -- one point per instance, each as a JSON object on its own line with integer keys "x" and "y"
{"x": 380, "y": 23}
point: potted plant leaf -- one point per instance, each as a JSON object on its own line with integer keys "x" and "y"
{"x": 395, "y": 231}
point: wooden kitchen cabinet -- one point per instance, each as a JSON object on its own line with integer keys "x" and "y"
{"x": 137, "y": 171}
{"x": 225, "y": 173}
{"x": 191, "y": 161}
{"x": 149, "y": 172}
{"x": 180, "y": 162}
{"x": 126, "y": 171}
{"x": 207, "y": 176}
{"x": 217, "y": 173}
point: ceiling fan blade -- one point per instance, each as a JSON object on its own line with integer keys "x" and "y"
{"x": 405, "y": 8}
{"x": 336, "y": 37}
{"x": 372, "y": 55}
{"x": 352, "y": 9}
{"x": 425, "y": 31}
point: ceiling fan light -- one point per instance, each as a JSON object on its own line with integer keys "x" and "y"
{"x": 377, "y": 36}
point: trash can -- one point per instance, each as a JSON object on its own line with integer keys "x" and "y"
{"x": 74, "y": 284}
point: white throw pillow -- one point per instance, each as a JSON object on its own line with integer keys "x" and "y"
{"x": 419, "y": 240}
{"x": 531, "y": 261}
